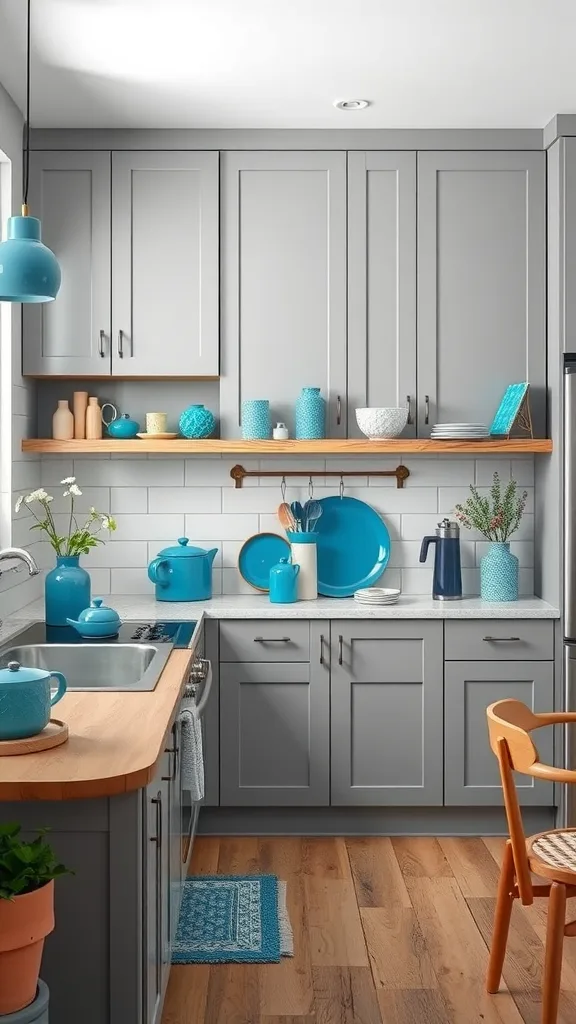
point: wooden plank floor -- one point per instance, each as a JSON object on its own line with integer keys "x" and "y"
{"x": 386, "y": 931}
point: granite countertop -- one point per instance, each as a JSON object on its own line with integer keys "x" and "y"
{"x": 259, "y": 607}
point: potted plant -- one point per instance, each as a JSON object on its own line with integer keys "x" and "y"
{"x": 496, "y": 517}
{"x": 67, "y": 586}
{"x": 27, "y": 873}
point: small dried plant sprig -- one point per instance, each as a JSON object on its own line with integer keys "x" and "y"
{"x": 496, "y": 517}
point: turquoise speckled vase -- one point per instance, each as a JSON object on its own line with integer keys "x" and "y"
{"x": 67, "y": 590}
{"x": 196, "y": 422}
{"x": 256, "y": 419}
{"x": 499, "y": 574}
{"x": 310, "y": 415}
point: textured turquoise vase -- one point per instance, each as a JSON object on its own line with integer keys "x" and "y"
{"x": 310, "y": 415}
{"x": 196, "y": 422}
{"x": 256, "y": 419}
{"x": 499, "y": 574}
{"x": 67, "y": 590}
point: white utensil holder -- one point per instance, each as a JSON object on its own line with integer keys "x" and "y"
{"x": 304, "y": 554}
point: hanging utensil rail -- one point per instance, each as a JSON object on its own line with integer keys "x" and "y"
{"x": 238, "y": 473}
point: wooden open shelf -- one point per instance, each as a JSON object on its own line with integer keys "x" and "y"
{"x": 329, "y": 446}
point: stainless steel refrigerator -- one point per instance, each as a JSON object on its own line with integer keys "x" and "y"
{"x": 570, "y": 569}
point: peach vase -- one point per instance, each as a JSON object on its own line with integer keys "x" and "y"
{"x": 25, "y": 922}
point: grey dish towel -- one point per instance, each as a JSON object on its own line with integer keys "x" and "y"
{"x": 192, "y": 759}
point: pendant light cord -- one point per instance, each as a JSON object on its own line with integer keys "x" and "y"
{"x": 27, "y": 127}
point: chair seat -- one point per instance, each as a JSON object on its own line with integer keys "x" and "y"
{"x": 553, "y": 854}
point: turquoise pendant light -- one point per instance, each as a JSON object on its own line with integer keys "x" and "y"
{"x": 29, "y": 270}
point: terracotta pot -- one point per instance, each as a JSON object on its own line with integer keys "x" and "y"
{"x": 24, "y": 924}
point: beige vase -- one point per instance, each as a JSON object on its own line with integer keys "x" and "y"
{"x": 63, "y": 422}
{"x": 93, "y": 420}
{"x": 80, "y": 405}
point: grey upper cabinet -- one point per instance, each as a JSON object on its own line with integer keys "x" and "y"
{"x": 283, "y": 312}
{"x": 472, "y": 776}
{"x": 386, "y": 713}
{"x": 70, "y": 192}
{"x": 381, "y": 283}
{"x": 165, "y": 264}
{"x": 481, "y": 283}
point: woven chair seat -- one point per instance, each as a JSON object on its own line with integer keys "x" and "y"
{"x": 557, "y": 849}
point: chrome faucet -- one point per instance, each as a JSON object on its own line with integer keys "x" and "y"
{"x": 19, "y": 555}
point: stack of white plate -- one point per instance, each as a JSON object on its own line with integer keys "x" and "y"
{"x": 376, "y": 596}
{"x": 459, "y": 431}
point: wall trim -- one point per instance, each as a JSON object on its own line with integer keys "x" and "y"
{"x": 288, "y": 138}
{"x": 560, "y": 126}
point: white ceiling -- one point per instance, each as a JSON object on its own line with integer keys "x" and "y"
{"x": 282, "y": 63}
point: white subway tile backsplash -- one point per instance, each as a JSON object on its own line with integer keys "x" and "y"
{"x": 185, "y": 499}
{"x": 485, "y": 469}
{"x": 233, "y": 527}
{"x": 214, "y": 472}
{"x": 232, "y": 583}
{"x": 130, "y": 472}
{"x": 25, "y": 477}
{"x": 100, "y": 581}
{"x": 437, "y": 472}
{"x": 123, "y": 554}
{"x": 416, "y": 526}
{"x": 130, "y": 581}
{"x": 448, "y": 497}
{"x": 91, "y": 497}
{"x": 148, "y": 527}
{"x": 55, "y": 470}
{"x": 129, "y": 499}
{"x": 523, "y": 471}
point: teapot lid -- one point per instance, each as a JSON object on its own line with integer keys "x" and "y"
{"x": 183, "y": 550}
{"x": 15, "y": 673}
{"x": 98, "y": 612}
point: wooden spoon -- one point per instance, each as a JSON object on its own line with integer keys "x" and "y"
{"x": 286, "y": 518}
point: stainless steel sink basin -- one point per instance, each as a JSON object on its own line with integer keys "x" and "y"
{"x": 91, "y": 666}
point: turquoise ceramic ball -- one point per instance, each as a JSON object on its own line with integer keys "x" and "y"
{"x": 196, "y": 422}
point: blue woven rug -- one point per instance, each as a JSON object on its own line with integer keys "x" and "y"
{"x": 232, "y": 919}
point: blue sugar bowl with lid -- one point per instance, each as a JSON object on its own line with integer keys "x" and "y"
{"x": 97, "y": 621}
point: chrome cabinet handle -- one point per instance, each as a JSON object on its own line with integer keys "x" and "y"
{"x": 102, "y": 344}
{"x": 409, "y": 421}
{"x": 321, "y": 648}
{"x": 271, "y": 639}
{"x": 157, "y": 801}
{"x": 338, "y": 410}
{"x": 501, "y": 639}
{"x": 121, "y": 344}
{"x": 426, "y": 409}
{"x": 207, "y": 687}
{"x": 340, "y": 649}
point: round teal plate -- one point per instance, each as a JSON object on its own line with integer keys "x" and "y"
{"x": 257, "y": 556}
{"x": 353, "y": 546}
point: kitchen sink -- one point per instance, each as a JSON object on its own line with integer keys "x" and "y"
{"x": 97, "y": 666}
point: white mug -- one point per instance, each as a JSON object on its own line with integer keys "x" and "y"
{"x": 156, "y": 422}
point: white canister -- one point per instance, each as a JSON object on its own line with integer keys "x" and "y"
{"x": 304, "y": 554}
{"x": 280, "y": 432}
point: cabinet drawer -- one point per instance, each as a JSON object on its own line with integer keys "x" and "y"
{"x": 265, "y": 640}
{"x": 500, "y": 640}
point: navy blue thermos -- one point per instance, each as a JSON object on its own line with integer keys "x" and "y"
{"x": 447, "y": 583}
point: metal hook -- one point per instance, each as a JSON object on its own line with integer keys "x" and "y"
{"x": 341, "y": 487}
{"x": 310, "y": 488}
{"x": 283, "y": 488}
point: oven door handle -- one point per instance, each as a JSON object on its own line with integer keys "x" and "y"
{"x": 201, "y": 706}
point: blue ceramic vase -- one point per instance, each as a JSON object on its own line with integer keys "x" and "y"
{"x": 196, "y": 422}
{"x": 310, "y": 415}
{"x": 67, "y": 590}
{"x": 256, "y": 419}
{"x": 499, "y": 574}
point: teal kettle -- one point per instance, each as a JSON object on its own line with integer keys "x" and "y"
{"x": 26, "y": 700}
{"x": 122, "y": 427}
{"x": 183, "y": 573}
{"x": 284, "y": 582}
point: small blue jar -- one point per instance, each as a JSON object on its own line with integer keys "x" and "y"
{"x": 310, "y": 415}
{"x": 66, "y": 590}
{"x": 197, "y": 422}
{"x": 256, "y": 419}
{"x": 284, "y": 582}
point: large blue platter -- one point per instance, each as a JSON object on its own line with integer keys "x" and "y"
{"x": 353, "y": 546}
{"x": 257, "y": 556}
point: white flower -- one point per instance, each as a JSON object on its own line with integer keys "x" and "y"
{"x": 68, "y": 480}
{"x": 39, "y": 495}
{"x": 75, "y": 490}
{"x": 18, "y": 504}
{"x": 93, "y": 511}
{"x": 105, "y": 522}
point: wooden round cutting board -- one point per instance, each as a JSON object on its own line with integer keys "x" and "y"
{"x": 55, "y": 733}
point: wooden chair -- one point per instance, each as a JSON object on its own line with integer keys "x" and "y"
{"x": 550, "y": 854}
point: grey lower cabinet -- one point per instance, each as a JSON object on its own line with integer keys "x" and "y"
{"x": 386, "y": 713}
{"x": 107, "y": 218}
{"x": 481, "y": 289}
{"x": 283, "y": 281}
{"x": 156, "y": 893}
{"x": 471, "y": 769}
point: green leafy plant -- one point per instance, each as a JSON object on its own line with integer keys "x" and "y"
{"x": 498, "y": 516}
{"x": 78, "y": 539}
{"x": 25, "y": 866}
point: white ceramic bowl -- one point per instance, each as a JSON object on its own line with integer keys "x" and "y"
{"x": 380, "y": 423}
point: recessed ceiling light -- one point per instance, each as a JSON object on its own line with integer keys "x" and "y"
{"x": 351, "y": 104}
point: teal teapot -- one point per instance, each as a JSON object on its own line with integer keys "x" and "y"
{"x": 26, "y": 700}
{"x": 121, "y": 427}
{"x": 96, "y": 621}
{"x": 183, "y": 573}
{"x": 284, "y": 582}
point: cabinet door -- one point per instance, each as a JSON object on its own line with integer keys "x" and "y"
{"x": 381, "y": 283}
{"x": 70, "y": 192}
{"x": 283, "y": 283}
{"x": 386, "y": 718}
{"x": 155, "y": 899}
{"x": 175, "y": 828}
{"x": 481, "y": 284}
{"x": 274, "y": 735}
{"x": 471, "y": 773}
{"x": 165, "y": 264}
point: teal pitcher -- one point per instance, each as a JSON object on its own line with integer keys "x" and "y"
{"x": 284, "y": 582}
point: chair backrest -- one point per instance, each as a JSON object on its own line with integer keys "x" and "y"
{"x": 509, "y": 725}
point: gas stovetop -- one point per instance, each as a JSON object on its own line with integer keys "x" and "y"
{"x": 161, "y": 631}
